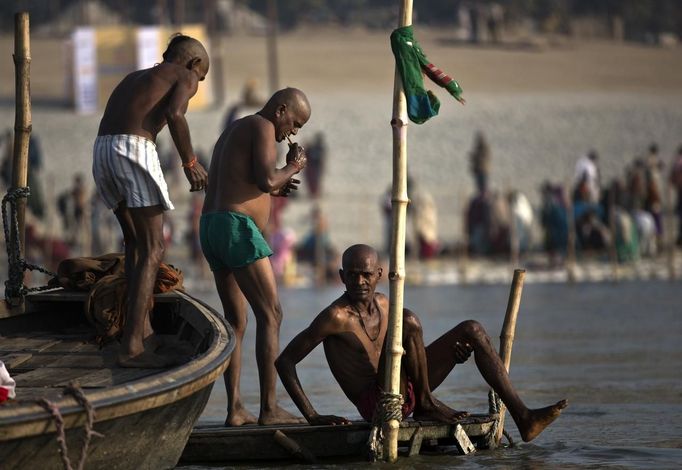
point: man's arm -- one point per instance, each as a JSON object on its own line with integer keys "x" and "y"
{"x": 268, "y": 177}
{"x": 324, "y": 325}
{"x": 184, "y": 89}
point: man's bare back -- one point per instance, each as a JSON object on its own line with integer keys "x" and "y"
{"x": 137, "y": 104}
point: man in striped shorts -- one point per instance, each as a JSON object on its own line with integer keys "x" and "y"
{"x": 128, "y": 176}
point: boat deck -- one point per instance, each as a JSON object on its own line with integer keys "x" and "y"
{"x": 217, "y": 443}
{"x": 46, "y": 360}
{"x": 43, "y": 363}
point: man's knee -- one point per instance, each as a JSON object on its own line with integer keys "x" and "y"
{"x": 411, "y": 323}
{"x": 473, "y": 329}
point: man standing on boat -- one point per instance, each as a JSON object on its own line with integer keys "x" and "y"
{"x": 242, "y": 178}
{"x": 353, "y": 330}
{"x": 129, "y": 179}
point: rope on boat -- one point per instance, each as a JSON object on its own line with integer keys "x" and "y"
{"x": 14, "y": 286}
{"x": 53, "y": 409}
{"x": 75, "y": 391}
{"x": 388, "y": 407}
{"x": 494, "y": 406}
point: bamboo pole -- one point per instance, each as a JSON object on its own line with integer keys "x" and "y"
{"x": 396, "y": 274}
{"x": 273, "y": 56}
{"x": 507, "y": 334}
{"x": 22, "y": 117}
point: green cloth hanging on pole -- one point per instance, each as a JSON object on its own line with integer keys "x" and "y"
{"x": 412, "y": 63}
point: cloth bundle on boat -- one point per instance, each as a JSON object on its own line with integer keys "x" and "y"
{"x": 7, "y": 384}
{"x": 412, "y": 64}
{"x": 104, "y": 278}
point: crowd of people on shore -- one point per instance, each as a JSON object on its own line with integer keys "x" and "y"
{"x": 624, "y": 218}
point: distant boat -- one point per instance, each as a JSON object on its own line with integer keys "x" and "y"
{"x": 145, "y": 416}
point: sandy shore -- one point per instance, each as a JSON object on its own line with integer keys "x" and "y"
{"x": 541, "y": 106}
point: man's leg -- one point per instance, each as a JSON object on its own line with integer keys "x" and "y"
{"x": 441, "y": 359}
{"x": 145, "y": 225}
{"x": 257, "y": 282}
{"x": 415, "y": 366}
{"x": 234, "y": 308}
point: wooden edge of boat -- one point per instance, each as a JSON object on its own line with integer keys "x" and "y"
{"x": 29, "y": 419}
{"x": 217, "y": 443}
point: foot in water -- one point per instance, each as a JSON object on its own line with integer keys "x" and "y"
{"x": 240, "y": 417}
{"x": 438, "y": 411}
{"x": 279, "y": 416}
{"x": 537, "y": 420}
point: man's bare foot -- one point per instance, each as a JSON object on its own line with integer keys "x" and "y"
{"x": 146, "y": 360}
{"x": 240, "y": 417}
{"x": 279, "y": 416}
{"x": 538, "y": 419}
{"x": 438, "y": 411}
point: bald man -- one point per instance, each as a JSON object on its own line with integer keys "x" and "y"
{"x": 129, "y": 180}
{"x": 242, "y": 178}
{"x": 353, "y": 331}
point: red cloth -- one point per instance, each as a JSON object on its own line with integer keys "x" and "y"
{"x": 368, "y": 401}
{"x": 4, "y": 394}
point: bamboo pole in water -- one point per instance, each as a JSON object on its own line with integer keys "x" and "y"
{"x": 507, "y": 334}
{"x": 22, "y": 117}
{"x": 396, "y": 274}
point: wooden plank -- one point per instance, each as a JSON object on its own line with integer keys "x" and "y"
{"x": 26, "y": 344}
{"x": 14, "y": 360}
{"x": 48, "y": 376}
{"x": 213, "y": 443}
{"x": 462, "y": 441}
{"x": 71, "y": 361}
{"x": 25, "y": 394}
{"x": 113, "y": 376}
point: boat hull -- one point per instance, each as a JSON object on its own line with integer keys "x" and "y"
{"x": 152, "y": 439}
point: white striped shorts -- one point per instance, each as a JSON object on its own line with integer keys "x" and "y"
{"x": 127, "y": 168}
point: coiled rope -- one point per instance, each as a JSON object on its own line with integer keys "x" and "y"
{"x": 14, "y": 286}
{"x": 494, "y": 407}
{"x": 388, "y": 407}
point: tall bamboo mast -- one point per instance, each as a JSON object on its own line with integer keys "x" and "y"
{"x": 396, "y": 274}
{"x": 22, "y": 116}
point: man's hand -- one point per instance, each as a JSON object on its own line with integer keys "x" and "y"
{"x": 284, "y": 191}
{"x": 197, "y": 177}
{"x": 462, "y": 352}
{"x": 318, "y": 420}
{"x": 296, "y": 156}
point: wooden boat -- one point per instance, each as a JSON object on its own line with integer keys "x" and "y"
{"x": 211, "y": 443}
{"x": 144, "y": 416}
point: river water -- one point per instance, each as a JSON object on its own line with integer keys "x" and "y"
{"x": 614, "y": 350}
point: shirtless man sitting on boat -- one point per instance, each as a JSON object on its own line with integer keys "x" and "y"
{"x": 353, "y": 330}
{"x": 128, "y": 177}
{"x": 242, "y": 178}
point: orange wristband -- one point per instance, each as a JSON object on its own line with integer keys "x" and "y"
{"x": 191, "y": 163}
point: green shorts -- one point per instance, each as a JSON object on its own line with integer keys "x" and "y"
{"x": 231, "y": 240}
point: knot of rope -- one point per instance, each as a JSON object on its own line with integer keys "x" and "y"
{"x": 14, "y": 286}
{"x": 494, "y": 407}
{"x": 389, "y": 407}
{"x": 75, "y": 391}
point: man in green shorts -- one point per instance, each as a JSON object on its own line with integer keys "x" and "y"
{"x": 242, "y": 178}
